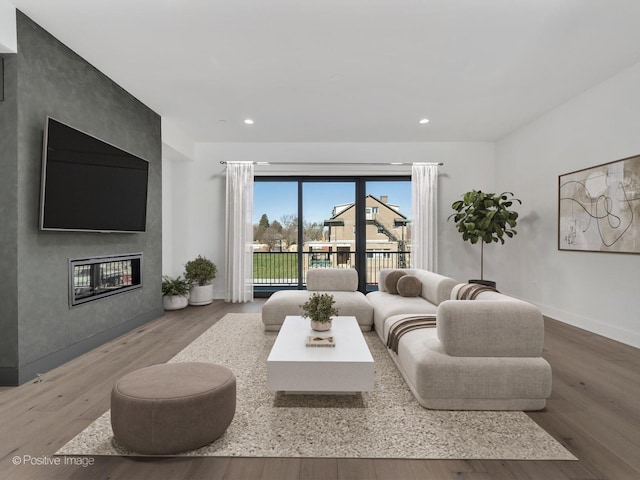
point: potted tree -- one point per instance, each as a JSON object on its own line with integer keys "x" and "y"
{"x": 199, "y": 273}
{"x": 319, "y": 308}
{"x": 485, "y": 217}
{"x": 175, "y": 293}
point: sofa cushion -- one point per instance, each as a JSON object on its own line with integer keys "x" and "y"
{"x": 480, "y": 328}
{"x": 386, "y": 304}
{"x": 391, "y": 281}
{"x": 281, "y": 304}
{"x": 289, "y": 302}
{"x": 409, "y": 286}
{"x": 332, "y": 279}
{"x": 397, "y": 319}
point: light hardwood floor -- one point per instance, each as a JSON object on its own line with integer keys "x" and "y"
{"x": 594, "y": 411}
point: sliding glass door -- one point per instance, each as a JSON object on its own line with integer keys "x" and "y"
{"x": 328, "y": 222}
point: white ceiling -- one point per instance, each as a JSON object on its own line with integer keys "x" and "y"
{"x": 348, "y": 70}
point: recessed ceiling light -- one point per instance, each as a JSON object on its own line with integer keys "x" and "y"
{"x": 396, "y": 163}
{"x": 423, "y": 121}
{"x": 248, "y": 121}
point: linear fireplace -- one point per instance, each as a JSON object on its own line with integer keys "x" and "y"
{"x": 99, "y": 277}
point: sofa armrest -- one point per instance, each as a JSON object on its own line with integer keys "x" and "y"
{"x": 481, "y": 328}
{"x": 332, "y": 279}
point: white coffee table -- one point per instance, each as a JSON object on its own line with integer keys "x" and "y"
{"x": 292, "y": 367}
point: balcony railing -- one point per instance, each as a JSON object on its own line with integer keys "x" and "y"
{"x": 274, "y": 270}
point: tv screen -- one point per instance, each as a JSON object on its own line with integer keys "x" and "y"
{"x": 90, "y": 185}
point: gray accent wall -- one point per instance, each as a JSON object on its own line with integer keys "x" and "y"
{"x": 40, "y": 332}
{"x": 8, "y": 221}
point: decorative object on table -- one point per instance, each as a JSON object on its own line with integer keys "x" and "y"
{"x": 486, "y": 217}
{"x": 199, "y": 273}
{"x": 599, "y": 208}
{"x": 175, "y": 293}
{"x": 319, "y": 308}
{"x": 314, "y": 341}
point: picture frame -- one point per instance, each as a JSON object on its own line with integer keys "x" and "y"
{"x": 599, "y": 208}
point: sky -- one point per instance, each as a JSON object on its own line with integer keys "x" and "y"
{"x": 280, "y": 198}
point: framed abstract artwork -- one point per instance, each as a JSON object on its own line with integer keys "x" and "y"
{"x": 599, "y": 208}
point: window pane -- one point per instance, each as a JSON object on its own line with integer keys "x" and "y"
{"x": 329, "y": 224}
{"x": 275, "y": 233}
{"x": 388, "y": 213}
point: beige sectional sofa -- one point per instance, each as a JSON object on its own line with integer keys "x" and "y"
{"x": 483, "y": 354}
{"x": 342, "y": 283}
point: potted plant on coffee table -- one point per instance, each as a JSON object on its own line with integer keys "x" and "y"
{"x": 175, "y": 293}
{"x": 485, "y": 217}
{"x": 319, "y": 308}
{"x": 199, "y": 273}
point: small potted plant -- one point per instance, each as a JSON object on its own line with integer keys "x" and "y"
{"x": 319, "y": 308}
{"x": 175, "y": 293}
{"x": 486, "y": 217}
{"x": 199, "y": 273}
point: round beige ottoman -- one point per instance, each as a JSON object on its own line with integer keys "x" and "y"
{"x": 173, "y": 407}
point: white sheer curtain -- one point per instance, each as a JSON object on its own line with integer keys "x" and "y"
{"x": 424, "y": 227}
{"x": 239, "y": 233}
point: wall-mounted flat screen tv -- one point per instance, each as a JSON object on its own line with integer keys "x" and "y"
{"x": 90, "y": 185}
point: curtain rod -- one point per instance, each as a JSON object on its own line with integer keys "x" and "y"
{"x": 394, "y": 164}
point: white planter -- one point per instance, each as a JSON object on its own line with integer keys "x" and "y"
{"x": 201, "y": 295}
{"x": 174, "y": 302}
{"x": 320, "y": 326}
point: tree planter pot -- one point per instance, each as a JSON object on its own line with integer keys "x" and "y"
{"x": 320, "y": 326}
{"x": 174, "y": 302}
{"x": 486, "y": 283}
{"x": 201, "y": 294}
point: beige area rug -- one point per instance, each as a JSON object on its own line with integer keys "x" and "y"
{"x": 385, "y": 423}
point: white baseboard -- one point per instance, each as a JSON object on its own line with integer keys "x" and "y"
{"x": 618, "y": 334}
